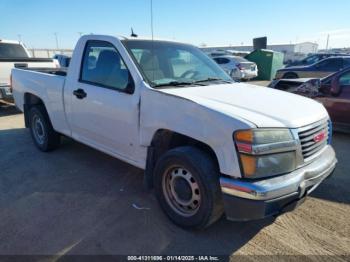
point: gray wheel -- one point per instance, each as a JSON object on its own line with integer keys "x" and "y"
{"x": 43, "y": 134}
{"x": 181, "y": 190}
{"x": 186, "y": 182}
{"x": 38, "y": 129}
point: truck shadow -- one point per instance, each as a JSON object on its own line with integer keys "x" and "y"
{"x": 81, "y": 201}
{"x": 7, "y": 109}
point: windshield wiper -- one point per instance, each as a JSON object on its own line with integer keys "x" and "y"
{"x": 209, "y": 79}
{"x": 174, "y": 83}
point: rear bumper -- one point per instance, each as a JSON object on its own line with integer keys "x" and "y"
{"x": 244, "y": 200}
{"x": 249, "y": 74}
{"x": 5, "y": 92}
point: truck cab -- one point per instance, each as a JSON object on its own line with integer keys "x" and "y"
{"x": 208, "y": 145}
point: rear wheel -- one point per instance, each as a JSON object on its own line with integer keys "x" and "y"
{"x": 290, "y": 75}
{"x": 187, "y": 187}
{"x": 43, "y": 134}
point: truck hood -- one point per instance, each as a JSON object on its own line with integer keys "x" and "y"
{"x": 261, "y": 106}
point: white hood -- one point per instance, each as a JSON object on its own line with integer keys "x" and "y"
{"x": 262, "y": 106}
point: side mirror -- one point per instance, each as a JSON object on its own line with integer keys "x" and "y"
{"x": 335, "y": 87}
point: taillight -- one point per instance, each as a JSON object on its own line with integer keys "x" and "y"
{"x": 11, "y": 89}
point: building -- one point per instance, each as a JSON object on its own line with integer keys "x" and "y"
{"x": 291, "y": 51}
{"x": 49, "y": 53}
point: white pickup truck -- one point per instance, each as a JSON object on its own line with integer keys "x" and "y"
{"x": 208, "y": 145}
{"x": 14, "y": 54}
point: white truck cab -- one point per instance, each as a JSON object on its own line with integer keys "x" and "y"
{"x": 208, "y": 145}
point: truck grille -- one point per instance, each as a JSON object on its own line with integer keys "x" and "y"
{"x": 313, "y": 138}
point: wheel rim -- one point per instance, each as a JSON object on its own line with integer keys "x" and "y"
{"x": 181, "y": 191}
{"x": 38, "y": 129}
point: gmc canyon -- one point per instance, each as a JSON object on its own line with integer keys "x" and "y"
{"x": 208, "y": 145}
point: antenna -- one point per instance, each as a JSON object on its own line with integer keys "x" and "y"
{"x": 152, "y": 18}
{"x": 152, "y": 54}
{"x": 133, "y": 34}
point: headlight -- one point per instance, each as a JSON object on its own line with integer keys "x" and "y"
{"x": 266, "y": 152}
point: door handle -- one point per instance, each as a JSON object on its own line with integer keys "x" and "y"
{"x": 79, "y": 93}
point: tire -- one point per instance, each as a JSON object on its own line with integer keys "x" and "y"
{"x": 290, "y": 75}
{"x": 44, "y": 136}
{"x": 200, "y": 183}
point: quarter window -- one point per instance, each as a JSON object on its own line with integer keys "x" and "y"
{"x": 331, "y": 65}
{"x": 344, "y": 80}
{"x": 103, "y": 66}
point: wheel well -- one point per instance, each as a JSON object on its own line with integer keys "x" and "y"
{"x": 290, "y": 74}
{"x": 29, "y": 101}
{"x": 164, "y": 140}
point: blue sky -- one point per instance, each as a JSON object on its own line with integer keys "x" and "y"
{"x": 213, "y": 22}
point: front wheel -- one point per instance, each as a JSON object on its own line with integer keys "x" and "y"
{"x": 187, "y": 187}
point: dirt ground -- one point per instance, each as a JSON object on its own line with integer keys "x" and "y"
{"x": 77, "y": 200}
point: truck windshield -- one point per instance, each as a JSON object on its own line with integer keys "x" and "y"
{"x": 165, "y": 63}
{"x": 12, "y": 51}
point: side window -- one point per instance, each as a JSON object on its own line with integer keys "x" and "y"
{"x": 346, "y": 62}
{"x": 218, "y": 60}
{"x": 331, "y": 64}
{"x": 103, "y": 66}
{"x": 225, "y": 61}
{"x": 344, "y": 80}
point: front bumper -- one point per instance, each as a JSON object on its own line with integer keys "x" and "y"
{"x": 249, "y": 200}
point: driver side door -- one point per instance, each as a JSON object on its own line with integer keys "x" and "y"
{"x": 104, "y": 109}
{"x": 338, "y": 105}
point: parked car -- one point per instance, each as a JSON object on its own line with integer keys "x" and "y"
{"x": 332, "y": 91}
{"x": 63, "y": 60}
{"x": 312, "y": 59}
{"x": 237, "y": 67}
{"x": 318, "y": 70}
{"x": 14, "y": 54}
{"x": 208, "y": 145}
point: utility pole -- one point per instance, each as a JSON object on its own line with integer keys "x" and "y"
{"x": 19, "y": 37}
{"x": 56, "y": 38}
{"x": 327, "y": 42}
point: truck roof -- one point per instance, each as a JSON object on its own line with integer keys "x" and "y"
{"x": 9, "y": 41}
{"x": 148, "y": 39}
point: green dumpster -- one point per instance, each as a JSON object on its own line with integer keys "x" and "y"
{"x": 268, "y": 63}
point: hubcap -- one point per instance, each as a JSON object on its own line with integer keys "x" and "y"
{"x": 181, "y": 191}
{"x": 38, "y": 129}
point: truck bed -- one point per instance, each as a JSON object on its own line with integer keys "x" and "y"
{"x": 47, "y": 70}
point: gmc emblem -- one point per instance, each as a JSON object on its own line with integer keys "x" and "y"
{"x": 319, "y": 137}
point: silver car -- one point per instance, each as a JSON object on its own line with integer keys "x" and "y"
{"x": 238, "y": 67}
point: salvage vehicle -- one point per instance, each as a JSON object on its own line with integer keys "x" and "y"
{"x": 332, "y": 91}
{"x": 14, "y": 54}
{"x": 312, "y": 59}
{"x": 237, "y": 67}
{"x": 208, "y": 145}
{"x": 320, "y": 69}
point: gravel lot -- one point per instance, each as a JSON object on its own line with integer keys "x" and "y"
{"x": 77, "y": 200}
